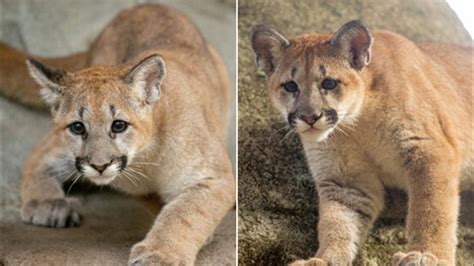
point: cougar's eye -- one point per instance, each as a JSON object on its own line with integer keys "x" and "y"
{"x": 329, "y": 84}
{"x": 77, "y": 128}
{"x": 119, "y": 126}
{"x": 290, "y": 86}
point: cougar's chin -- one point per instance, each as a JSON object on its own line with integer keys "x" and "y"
{"x": 318, "y": 132}
{"x": 314, "y": 134}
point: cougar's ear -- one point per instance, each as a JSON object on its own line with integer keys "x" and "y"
{"x": 48, "y": 78}
{"x": 354, "y": 41}
{"x": 146, "y": 77}
{"x": 267, "y": 44}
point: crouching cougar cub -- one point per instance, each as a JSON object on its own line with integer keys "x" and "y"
{"x": 376, "y": 110}
{"x": 145, "y": 110}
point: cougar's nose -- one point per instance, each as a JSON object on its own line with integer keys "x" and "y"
{"x": 100, "y": 168}
{"x": 310, "y": 119}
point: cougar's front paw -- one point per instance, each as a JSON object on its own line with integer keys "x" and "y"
{"x": 416, "y": 258}
{"x": 144, "y": 254}
{"x": 57, "y": 213}
{"x": 310, "y": 262}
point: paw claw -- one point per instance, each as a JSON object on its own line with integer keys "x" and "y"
{"x": 310, "y": 262}
{"x": 57, "y": 213}
{"x": 143, "y": 254}
{"x": 415, "y": 258}
{"x": 138, "y": 250}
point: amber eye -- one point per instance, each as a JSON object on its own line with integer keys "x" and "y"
{"x": 329, "y": 84}
{"x": 119, "y": 126}
{"x": 290, "y": 86}
{"x": 77, "y": 128}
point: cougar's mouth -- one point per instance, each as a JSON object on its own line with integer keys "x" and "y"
{"x": 101, "y": 174}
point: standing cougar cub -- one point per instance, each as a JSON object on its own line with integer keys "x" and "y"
{"x": 374, "y": 111}
{"x": 148, "y": 115}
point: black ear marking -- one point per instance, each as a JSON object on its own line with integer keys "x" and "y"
{"x": 52, "y": 74}
{"x": 267, "y": 44}
{"x": 354, "y": 41}
{"x": 48, "y": 78}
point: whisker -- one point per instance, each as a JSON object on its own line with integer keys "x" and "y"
{"x": 138, "y": 172}
{"x": 77, "y": 176}
{"x": 58, "y": 175}
{"x": 129, "y": 178}
{"x": 279, "y": 130}
{"x": 347, "y": 126}
{"x": 339, "y": 129}
{"x": 144, "y": 163}
{"x": 289, "y": 133}
{"x": 134, "y": 177}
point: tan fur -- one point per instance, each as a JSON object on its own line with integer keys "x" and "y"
{"x": 151, "y": 68}
{"x": 405, "y": 120}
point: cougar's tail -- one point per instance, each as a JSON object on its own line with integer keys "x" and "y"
{"x": 15, "y": 81}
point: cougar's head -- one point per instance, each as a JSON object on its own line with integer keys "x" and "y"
{"x": 103, "y": 114}
{"x": 315, "y": 80}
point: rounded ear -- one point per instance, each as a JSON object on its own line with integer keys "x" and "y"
{"x": 267, "y": 44}
{"x": 48, "y": 78}
{"x": 145, "y": 78}
{"x": 354, "y": 41}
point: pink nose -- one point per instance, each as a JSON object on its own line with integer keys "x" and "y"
{"x": 310, "y": 119}
{"x": 100, "y": 168}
